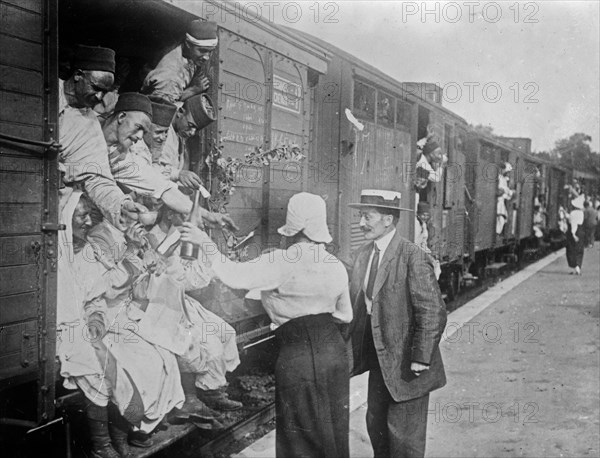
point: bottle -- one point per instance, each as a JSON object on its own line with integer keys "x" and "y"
{"x": 188, "y": 250}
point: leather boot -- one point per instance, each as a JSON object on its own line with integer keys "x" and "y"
{"x": 193, "y": 408}
{"x": 98, "y": 423}
{"x": 118, "y": 429}
{"x": 219, "y": 400}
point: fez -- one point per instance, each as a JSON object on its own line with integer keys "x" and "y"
{"x": 94, "y": 58}
{"x": 202, "y": 34}
{"x": 163, "y": 113}
{"x": 430, "y": 147}
{"x": 134, "y": 101}
{"x": 201, "y": 108}
{"x": 423, "y": 207}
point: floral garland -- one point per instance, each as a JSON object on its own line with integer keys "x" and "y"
{"x": 223, "y": 172}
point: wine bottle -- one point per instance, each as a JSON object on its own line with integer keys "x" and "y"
{"x": 189, "y": 250}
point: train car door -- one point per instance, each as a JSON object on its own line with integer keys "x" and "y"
{"x": 290, "y": 117}
{"x": 28, "y": 196}
{"x": 381, "y": 152}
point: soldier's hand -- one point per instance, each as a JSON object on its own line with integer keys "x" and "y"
{"x": 96, "y": 329}
{"x": 137, "y": 235}
{"x": 130, "y": 210}
{"x": 418, "y": 368}
{"x": 213, "y": 219}
{"x": 189, "y": 179}
{"x": 201, "y": 82}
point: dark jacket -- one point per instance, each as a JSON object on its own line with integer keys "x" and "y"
{"x": 408, "y": 318}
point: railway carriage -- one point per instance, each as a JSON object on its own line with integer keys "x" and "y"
{"x": 273, "y": 88}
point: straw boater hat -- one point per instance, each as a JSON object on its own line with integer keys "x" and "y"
{"x": 307, "y": 213}
{"x": 578, "y": 201}
{"x": 377, "y": 198}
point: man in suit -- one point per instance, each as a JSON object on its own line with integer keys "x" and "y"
{"x": 399, "y": 319}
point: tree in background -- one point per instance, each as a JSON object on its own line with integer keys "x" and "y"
{"x": 574, "y": 152}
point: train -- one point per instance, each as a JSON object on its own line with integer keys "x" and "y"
{"x": 274, "y": 88}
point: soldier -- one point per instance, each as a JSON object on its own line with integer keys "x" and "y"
{"x": 504, "y": 194}
{"x": 162, "y": 116}
{"x": 131, "y": 120}
{"x": 83, "y": 156}
{"x": 178, "y": 74}
{"x": 174, "y": 158}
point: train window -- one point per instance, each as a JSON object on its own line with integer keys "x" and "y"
{"x": 364, "y": 101}
{"x": 385, "y": 109}
{"x": 403, "y": 115}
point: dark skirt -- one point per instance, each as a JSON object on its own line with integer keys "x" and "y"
{"x": 312, "y": 389}
{"x": 575, "y": 249}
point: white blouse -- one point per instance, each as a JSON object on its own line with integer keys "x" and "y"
{"x": 303, "y": 280}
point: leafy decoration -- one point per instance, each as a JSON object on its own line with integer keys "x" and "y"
{"x": 224, "y": 172}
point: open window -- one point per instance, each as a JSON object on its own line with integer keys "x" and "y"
{"x": 364, "y": 101}
{"x": 385, "y": 109}
{"x": 138, "y": 31}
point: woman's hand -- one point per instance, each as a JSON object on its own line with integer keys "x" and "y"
{"x": 193, "y": 234}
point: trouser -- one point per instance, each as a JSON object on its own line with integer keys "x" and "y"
{"x": 396, "y": 429}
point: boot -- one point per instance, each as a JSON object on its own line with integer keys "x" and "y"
{"x": 193, "y": 408}
{"x": 219, "y": 400}
{"x": 98, "y": 423}
{"x": 118, "y": 429}
{"x": 140, "y": 439}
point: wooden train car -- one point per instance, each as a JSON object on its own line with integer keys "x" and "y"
{"x": 366, "y": 137}
{"x": 28, "y": 203}
{"x": 272, "y": 88}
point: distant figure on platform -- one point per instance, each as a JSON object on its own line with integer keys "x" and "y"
{"x": 422, "y": 234}
{"x": 590, "y": 219}
{"x": 399, "y": 318}
{"x": 563, "y": 224}
{"x": 504, "y": 194}
{"x": 576, "y": 235}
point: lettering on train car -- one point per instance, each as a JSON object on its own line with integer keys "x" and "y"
{"x": 286, "y": 94}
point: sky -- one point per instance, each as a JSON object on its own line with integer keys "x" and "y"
{"x": 528, "y": 69}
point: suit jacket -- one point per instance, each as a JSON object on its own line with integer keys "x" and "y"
{"x": 407, "y": 319}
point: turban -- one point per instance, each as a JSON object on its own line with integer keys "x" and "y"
{"x": 94, "y": 58}
{"x": 202, "y": 34}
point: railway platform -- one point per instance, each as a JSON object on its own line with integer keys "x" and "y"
{"x": 522, "y": 364}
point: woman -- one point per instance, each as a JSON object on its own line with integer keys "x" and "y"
{"x": 576, "y": 235}
{"x": 304, "y": 289}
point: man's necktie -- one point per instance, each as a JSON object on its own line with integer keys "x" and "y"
{"x": 372, "y": 273}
